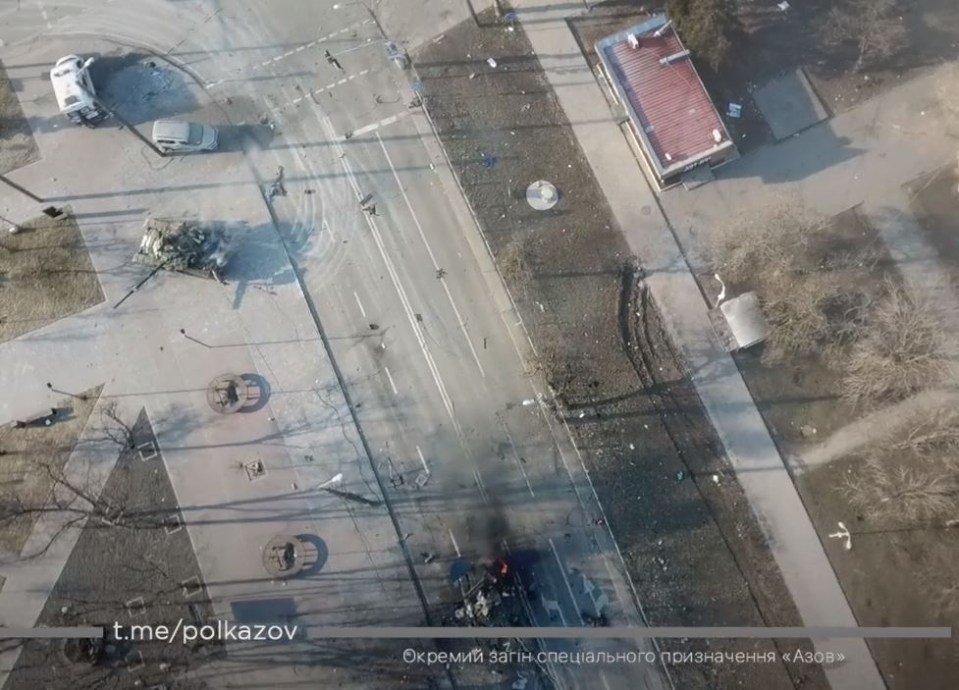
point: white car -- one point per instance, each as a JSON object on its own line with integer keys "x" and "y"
{"x": 175, "y": 136}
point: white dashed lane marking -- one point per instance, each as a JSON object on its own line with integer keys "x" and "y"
{"x": 385, "y": 122}
{"x": 293, "y": 51}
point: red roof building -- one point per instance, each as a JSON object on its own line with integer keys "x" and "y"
{"x": 671, "y": 115}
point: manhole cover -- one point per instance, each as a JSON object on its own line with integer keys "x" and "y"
{"x": 542, "y": 195}
{"x": 227, "y": 393}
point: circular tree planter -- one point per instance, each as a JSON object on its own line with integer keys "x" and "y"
{"x": 227, "y": 393}
{"x": 83, "y": 650}
{"x": 283, "y": 556}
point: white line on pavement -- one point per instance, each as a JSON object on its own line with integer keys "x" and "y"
{"x": 43, "y": 13}
{"x": 482, "y": 487}
{"x": 455, "y": 545}
{"x": 311, "y": 44}
{"x": 602, "y": 678}
{"x": 569, "y": 587}
{"x": 394, "y": 277}
{"x": 516, "y": 457}
{"x": 422, "y": 460}
{"x": 359, "y": 304}
{"x": 368, "y": 43}
{"x": 385, "y": 122}
{"x": 392, "y": 383}
{"x": 552, "y": 606}
{"x": 329, "y": 87}
{"x": 429, "y": 251}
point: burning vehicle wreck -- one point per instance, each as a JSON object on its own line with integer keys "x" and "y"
{"x": 494, "y": 596}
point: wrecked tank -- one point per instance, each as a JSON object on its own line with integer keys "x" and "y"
{"x": 186, "y": 246}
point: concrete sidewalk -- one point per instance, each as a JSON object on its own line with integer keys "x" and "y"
{"x": 760, "y": 470}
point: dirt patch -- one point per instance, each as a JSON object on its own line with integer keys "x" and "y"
{"x": 17, "y": 145}
{"x": 690, "y": 540}
{"x": 935, "y": 204}
{"x": 800, "y": 398}
{"x": 126, "y": 572}
{"x": 768, "y": 42}
{"x": 45, "y": 275}
{"x": 905, "y": 558}
{"x": 32, "y": 457}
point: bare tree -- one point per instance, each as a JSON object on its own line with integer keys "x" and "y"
{"x": 114, "y": 428}
{"x": 70, "y": 502}
{"x": 873, "y": 28}
{"x": 705, "y": 27}
{"x": 513, "y": 260}
{"x": 911, "y": 477}
{"x": 805, "y": 292}
{"x": 898, "y": 351}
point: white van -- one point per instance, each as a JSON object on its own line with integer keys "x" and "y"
{"x": 174, "y": 136}
{"x": 74, "y": 90}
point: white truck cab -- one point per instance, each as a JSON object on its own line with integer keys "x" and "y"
{"x": 74, "y": 90}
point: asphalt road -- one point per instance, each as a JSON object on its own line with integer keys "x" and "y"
{"x": 433, "y": 360}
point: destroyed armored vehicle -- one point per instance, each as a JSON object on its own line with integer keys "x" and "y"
{"x": 185, "y": 246}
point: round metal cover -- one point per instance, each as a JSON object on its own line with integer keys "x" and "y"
{"x": 542, "y": 195}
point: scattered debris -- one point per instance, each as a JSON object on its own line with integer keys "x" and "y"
{"x": 735, "y": 110}
{"x": 843, "y": 534}
{"x": 332, "y": 60}
{"x": 491, "y": 62}
{"x": 440, "y": 273}
{"x": 680, "y": 476}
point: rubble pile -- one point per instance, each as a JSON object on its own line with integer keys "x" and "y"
{"x": 184, "y": 246}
